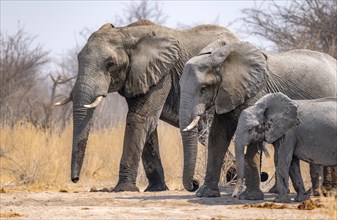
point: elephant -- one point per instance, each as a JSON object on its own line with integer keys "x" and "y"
{"x": 300, "y": 130}
{"x": 143, "y": 62}
{"x": 233, "y": 77}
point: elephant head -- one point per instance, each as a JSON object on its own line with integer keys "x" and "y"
{"x": 129, "y": 60}
{"x": 225, "y": 76}
{"x": 267, "y": 120}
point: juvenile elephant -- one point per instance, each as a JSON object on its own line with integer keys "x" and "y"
{"x": 232, "y": 78}
{"x": 143, "y": 62}
{"x": 299, "y": 130}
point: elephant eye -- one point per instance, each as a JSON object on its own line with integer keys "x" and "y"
{"x": 202, "y": 90}
{"x": 109, "y": 65}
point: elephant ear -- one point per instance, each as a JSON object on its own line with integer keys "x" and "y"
{"x": 150, "y": 59}
{"x": 243, "y": 71}
{"x": 280, "y": 114}
{"x": 213, "y": 46}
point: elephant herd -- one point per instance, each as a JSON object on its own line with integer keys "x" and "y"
{"x": 176, "y": 75}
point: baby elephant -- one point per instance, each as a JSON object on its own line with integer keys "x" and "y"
{"x": 301, "y": 129}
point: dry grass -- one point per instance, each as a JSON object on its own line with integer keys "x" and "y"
{"x": 11, "y": 215}
{"x": 41, "y": 159}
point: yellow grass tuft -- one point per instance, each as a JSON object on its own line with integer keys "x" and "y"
{"x": 329, "y": 206}
{"x": 10, "y": 215}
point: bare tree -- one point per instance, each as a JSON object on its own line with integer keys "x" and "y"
{"x": 20, "y": 65}
{"x": 144, "y": 9}
{"x": 308, "y": 24}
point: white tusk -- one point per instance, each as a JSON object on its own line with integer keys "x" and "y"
{"x": 193, "y": 124}
{"x": 95, "y": 103}
{"x": 63, "y": 102}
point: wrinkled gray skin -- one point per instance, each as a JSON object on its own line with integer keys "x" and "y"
{"x": 143, "y": 62}
{"x": 299, "y": 130}
{"x": 232, "y": 78}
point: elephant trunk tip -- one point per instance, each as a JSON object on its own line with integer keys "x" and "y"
{"x": 264, "y": 176}
{"x": 195, "y": 186}
{"x": 75, "y": 179}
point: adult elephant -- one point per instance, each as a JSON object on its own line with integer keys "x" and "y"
{"x": 233, "y": 77}
{"x": 143, "y": 62}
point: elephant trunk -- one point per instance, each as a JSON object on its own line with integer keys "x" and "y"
{"x": 82, "y": 119}
{"x": 190, "y": 144}
{"x": 240, "y": 160}
{"x": 83, "y": 94}
{"x": 240, "y": 164}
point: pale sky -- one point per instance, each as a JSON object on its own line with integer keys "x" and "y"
{"x": 56, "y": 24}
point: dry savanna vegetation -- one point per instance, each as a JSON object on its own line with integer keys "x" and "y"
{"x": 33, "y": 156}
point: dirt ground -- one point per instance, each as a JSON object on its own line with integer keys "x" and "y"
{"x": 175, "y": 204}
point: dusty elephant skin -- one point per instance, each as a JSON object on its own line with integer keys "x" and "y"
{"x": 143, "y": 62}
{"x": 299, "y": 130}
{"x": 232, "y": 78}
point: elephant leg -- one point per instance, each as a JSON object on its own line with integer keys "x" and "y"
{"x": 297, "y": 180}
{"x": 152, "y": 164}
{"x": 141, "y": 122}
{"x": 252, "y": 174}
{"x": 287, "y": 164}
{"x": 220, "y": 135}
{"x": 273, "y": 189}
{"x": 316, "y": 171}
{"x": 329, "y": 180}
{"x": 134, "y": 141}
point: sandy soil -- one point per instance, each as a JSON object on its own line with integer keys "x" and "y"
{"x": 159, "y": 205}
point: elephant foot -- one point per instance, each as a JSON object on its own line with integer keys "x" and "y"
{"x": 122, "y": 187}
{"x": 301, "y": 197}
{"x": 156, "y": 187}
{"x": 252, "y": 195}
{"x": 282, "y": 198}
{"x": 207, "y": 191}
